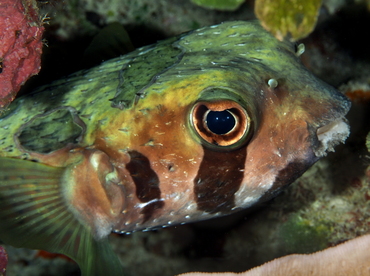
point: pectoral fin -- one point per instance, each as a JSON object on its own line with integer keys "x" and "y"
{"x": 34, "y": 214}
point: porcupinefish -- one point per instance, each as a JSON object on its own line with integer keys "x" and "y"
{"x": 193, "y": 127}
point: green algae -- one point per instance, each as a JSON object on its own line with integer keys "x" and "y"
{"x": 293, "y": 19}
{"x": 300, "y": 235}
{"x": 223, "y": 5}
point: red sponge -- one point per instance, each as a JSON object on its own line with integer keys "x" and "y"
{"x": 20, "y": 46}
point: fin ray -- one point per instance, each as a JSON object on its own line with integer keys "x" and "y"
{"x": 35, "y": 215}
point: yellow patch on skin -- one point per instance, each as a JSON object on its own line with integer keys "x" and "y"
{"x": 158, "y": 114}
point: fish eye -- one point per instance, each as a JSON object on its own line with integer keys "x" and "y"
{"x": 221, "y": 124}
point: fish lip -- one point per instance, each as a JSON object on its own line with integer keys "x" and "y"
{"x": 330, "y": 135}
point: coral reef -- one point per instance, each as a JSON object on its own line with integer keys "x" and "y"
{"x": 20, "y": 46}
{"x": 71, "y": 18}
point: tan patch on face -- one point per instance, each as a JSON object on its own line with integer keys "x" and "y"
{"x": 163, "y": 137}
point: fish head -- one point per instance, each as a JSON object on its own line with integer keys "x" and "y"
{"x": 231, "y": 122}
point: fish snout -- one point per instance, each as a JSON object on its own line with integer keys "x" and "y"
{"x": 333, "y": 128}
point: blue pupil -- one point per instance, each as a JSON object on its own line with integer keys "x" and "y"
{"x": 220, "y": 122}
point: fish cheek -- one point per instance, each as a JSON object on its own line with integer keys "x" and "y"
{"x": 164, "y": 159}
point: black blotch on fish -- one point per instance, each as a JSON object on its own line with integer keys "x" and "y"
{"x": 217, "y": 182}
{"x": 146, "y": 182}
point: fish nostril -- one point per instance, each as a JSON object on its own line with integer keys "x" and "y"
{"x": 171, "y": 167}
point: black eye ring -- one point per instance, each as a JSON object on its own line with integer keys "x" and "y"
{"x": 221, "y": 124}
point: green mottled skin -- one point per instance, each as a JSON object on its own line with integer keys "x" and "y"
{"x": 74, "y": 91}
{"x": 91, "y": 93}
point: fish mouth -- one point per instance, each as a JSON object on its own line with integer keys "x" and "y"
{"x": 330, "y": 135}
